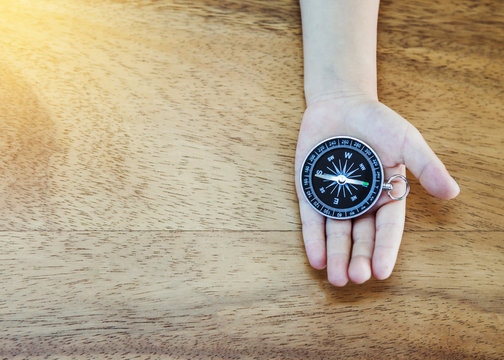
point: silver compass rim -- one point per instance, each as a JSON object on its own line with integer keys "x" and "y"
{"x": 379, "y": 190}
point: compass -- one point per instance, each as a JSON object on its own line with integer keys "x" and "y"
{"x": 342, "y": 177}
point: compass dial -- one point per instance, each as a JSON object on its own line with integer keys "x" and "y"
{"x": 342, "y": 177}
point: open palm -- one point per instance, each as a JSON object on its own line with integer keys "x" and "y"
{"x": 354, "y": 249}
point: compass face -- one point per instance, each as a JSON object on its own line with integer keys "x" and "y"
{"x": 342, "y": 177}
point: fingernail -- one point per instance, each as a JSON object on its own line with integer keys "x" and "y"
{"x": 455, "y": 186}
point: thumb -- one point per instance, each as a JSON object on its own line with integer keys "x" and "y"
{"x": 426, "y": 166}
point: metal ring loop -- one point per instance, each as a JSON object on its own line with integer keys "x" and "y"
{"x": 389, "y": 181}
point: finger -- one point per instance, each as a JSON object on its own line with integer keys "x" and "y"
{"x": 363, "y": 234}
{"x": 338, "y": 233}
{"x": 389, "y": 230}
{"x": 313, "y": 235}
{"x": 313, "y": 226}
{"x": 426, "y": 166}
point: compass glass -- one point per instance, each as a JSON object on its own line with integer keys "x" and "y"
{"x": 342, "y": 177}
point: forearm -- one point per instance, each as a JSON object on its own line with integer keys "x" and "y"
{"x": 339, "y": 42}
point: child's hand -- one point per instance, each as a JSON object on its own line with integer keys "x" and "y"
{"x": 351, "y": 249}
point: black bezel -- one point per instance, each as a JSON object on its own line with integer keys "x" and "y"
{"x": 318, "y": 151}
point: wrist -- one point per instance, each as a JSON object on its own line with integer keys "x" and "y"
{"x": 341, "y": 81}
{"x": 339, "y": 48}
{"x": 350, "y": 94}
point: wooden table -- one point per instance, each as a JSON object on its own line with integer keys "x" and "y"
{"x": 147, "y": 202}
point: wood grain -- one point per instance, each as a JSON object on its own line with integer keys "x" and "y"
{"x": 244, "y": 294}
{"x": 186, "y": 117}
{"x": 147, "y": 203}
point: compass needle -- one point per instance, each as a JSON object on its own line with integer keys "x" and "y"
{"x": 327, "y": 177}
{"x": 356, "y": 182}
